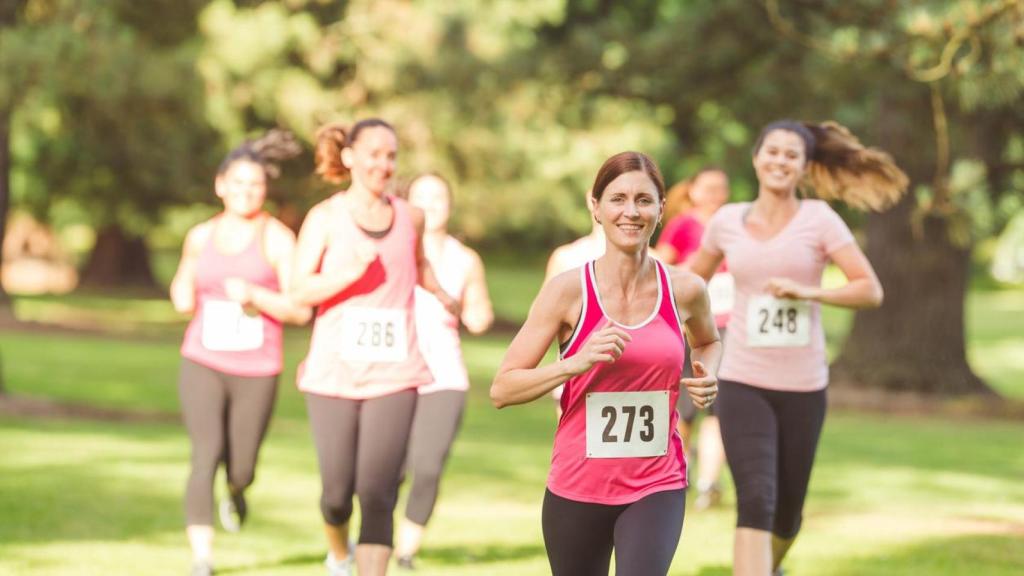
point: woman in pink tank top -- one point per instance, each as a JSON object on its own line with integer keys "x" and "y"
{"x": 359, "y": 259}
{"x": 618, "y": 472}
{"x": 774, "y": 371}
{"x": 233, "y": 274}
{"x": 441, "y": 402}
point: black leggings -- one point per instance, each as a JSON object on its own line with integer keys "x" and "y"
{"x": 770, "y": 438}
{"x": 226, "y": 417}
{"x": 437, "y": 420}
{"x": 580, "y": 536}
{"x": 360, "y": 445}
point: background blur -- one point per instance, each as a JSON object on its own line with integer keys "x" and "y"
{"x": 115, "y": 113}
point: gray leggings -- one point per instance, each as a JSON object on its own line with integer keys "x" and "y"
{"x": 437, "y": 420}
{"x": 226, "y": 417}
{"x": 360, "y": 445}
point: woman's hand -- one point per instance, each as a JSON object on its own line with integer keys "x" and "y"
{"x": 786, "y": 288}
{"x": 702, "y": 387}
{"x": 605, "y": 345}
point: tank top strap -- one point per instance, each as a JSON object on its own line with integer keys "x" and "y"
{"x": 668, "y": 310}
{"x": 590, "y": 313}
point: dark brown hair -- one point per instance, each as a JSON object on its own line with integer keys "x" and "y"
{"x": 841, "y": 168}
{"x": 268, "y": 151}
{"x": 331, "y": 139}
{"x": 622, "y": 163}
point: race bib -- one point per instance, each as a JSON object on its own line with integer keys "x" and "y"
{"x": 374, "y": 335}
{"x": 774, "y": 323}
{"x": 722, "y": 293}
{"x": 227, "y": 328}
{"x": 627, "y": 424}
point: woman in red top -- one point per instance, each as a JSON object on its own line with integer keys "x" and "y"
{"x": 359, "y": 259}
{"x": 618, "y": 472}
{"x": 232, "y": 277}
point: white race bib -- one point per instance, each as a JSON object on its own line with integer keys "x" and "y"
{"x": 722, "y": 292}
{"x": 374, "y": 335}
{"x": 627, "y": 424}
{"x": 775, "y": 323}
{"x": 227, "y": 328}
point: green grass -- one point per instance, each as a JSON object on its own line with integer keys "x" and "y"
{"x": 890, "y": 495}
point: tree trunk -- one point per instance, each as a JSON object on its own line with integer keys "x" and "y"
{"x": 915, "y": 341}
{"x": 118, "y": 260}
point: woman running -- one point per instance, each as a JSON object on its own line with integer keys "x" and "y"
{"x": 232, "y": 277}
{"x": 689, "y": 206}
{"x": 359, "y": 258}
{"x": 441, "y": 403}
{"x": 775, "y": 371}
{"x": 618, "y": 474}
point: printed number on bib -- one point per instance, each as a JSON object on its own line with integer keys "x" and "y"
{"x": 227, "y": 328}
{"x": 775, "y": 323}
{"x": 722, "y": 293}
{"x": 373, "y": 335}
{"x": 627, "y": 424}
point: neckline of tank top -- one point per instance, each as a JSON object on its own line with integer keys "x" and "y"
{"x": 257, "y": 236}
{"x": 782, "y": 231}
{"x": 375, "y": 234}
{"x": 657, "y": 304}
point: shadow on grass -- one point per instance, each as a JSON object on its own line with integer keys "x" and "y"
{"x": 445, "y": 556}
{"x": 968, "y": 555}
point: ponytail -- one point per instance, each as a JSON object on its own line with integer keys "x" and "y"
{"x": 840, "y": 168}
{"x": 269, "y": 151}
{"x": 331, "y": 139}
{"x": 844, "y": 169}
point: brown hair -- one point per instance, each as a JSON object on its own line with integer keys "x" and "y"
{"x": 331, "y": 139}
{"x": 841, "y": 168}
{"x": 622, "y": 163}
{"x": 268, "y": 151}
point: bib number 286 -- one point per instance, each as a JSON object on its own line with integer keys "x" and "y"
{"x": 627, "y": 424}
{"x": 374, "y": 335}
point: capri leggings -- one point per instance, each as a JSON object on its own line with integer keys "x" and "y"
{"x": 360, "y": 445}
{"x": 580, "y": 536}
{"x": 437, "y": 420}
{"x": 770, "y": 438}
{"x": 226, "y": 417}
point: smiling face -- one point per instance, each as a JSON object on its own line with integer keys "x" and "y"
{"x": 431, "y": 194}
{"x": 243, "y": 188}
{"x": 371, "y": 158}
{"x": 629, "y": 209}
{"x": 780, "y": 161}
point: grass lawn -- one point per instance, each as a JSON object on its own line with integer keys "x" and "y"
{"x": 890, "y": 496}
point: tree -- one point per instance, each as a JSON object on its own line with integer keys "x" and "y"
{"x": 8, "y": 17}
{"x": 108, "y": 115}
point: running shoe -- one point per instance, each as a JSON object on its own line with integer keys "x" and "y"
{"x": 406, "y": 562}
{"x": 337, "y": 567}
{"x": 202, "y": 568}
{"x": 233, "y": 511}
{"x": 708, "y": 497}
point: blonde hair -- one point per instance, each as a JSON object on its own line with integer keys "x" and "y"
{"x": 841, "y": 168}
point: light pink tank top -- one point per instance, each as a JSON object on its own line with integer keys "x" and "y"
{"x": 255, "y": 349}
{"x": 437, "y": 329}
{"x": 651, "y": 363}
{"x": 799, "y": 252}
{"x": 364, "y": 342}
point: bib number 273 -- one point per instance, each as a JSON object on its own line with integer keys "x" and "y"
{"x": 627, "y": 424}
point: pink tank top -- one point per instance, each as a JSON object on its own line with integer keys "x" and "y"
{"x": 364, "y": 341}
{"x": 684, "y": 233}
{"x": 617, "y": 441}
{"x": 437, "y": 329}
{"x": 220, "y": 336}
